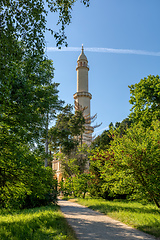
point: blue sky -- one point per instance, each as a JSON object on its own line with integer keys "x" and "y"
{"x": 121, "y": 40}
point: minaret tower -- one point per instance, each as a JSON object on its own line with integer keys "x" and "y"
{"x": 82, "y": 96}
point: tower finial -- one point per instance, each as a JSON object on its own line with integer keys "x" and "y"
{"x": 82, "y": 48}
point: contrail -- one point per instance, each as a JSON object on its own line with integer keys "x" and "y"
{"x": 104, "y": 50}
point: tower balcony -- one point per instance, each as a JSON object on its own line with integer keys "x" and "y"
{"x": 82, "y": 94}
{"x": 82, "y": 64}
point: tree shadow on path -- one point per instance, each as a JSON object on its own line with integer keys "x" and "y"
{"x": 91, "y": 225}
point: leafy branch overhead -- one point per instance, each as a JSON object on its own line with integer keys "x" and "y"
{"x": 26, "y": 21}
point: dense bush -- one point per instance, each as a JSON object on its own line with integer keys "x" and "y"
{"x": 25, "y": 182}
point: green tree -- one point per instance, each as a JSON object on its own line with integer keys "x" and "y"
{"x": 130, "y": 167}
{"x": 23, "y": 109}
{"x": 24, "y": 181}
{"x": 23, "y": 25}
{"x": 32, "y": 95}
{"x": 28, "y": 97}
{"x": 81, "y": 184}
{"x": 145, "y": 98}
{"x": 136, "y": 160}
{"x": 51, "y": 102}
{"x": 76, "y": 163}
{"x": 96, "y": 165}
{"x": 67, "y": 130}
{"x": 77, "y": 185}
{"x": 103, "y": 141}
{"x": 66, "y": 187}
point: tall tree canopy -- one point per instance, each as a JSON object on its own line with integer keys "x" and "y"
{"x": 28, "y": 97}
{"x": 145, "y": 98}
{"x": 31, "y": 95}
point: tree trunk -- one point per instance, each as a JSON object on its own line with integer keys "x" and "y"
{"x": 156, "y": 202}
{"x": 46, "y": 144}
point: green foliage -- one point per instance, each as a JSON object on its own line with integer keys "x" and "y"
{"x": 23, "y": 120}
{"x": 76, "y": 124}
{"x": 81, "y": 184}
{"x": 24, "y": 180}
{"x": 67, "y": 130}
{"x": 77, "y": 185}
{"x": 28, "y": 99}
{"x": 103, "y": 141}
{"x": 76, "y": 163}
{"x": 145, "y": 217}
{"x": 137, "y": 155}
{"x": 43, "y": 188}
{"x": 31, "y": 94}
{"x": 132, "y": 164}
{"x": 66, "y": 186}
{"x": 123, "y": 126}
{"x": 128, "y": 166}
{"x": 145, "y": 98}
{"x": 100, "y": 147}
{"x": 102, "y": 175}
{"x": 64, "y": 8}
{"x": 26, "y": 20}
{"x": 68, "y": 165}
{"x": 35, "y": 224}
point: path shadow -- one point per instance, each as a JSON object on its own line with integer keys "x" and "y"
{"x": 91, "y": 225}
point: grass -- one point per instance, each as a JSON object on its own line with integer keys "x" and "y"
{"x": 143, "y": 217}
{"x": 43, "y": 223}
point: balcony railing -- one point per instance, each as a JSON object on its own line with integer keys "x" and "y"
{"x": 82, "y": 65}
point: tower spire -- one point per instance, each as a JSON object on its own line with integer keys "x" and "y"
{"x": 82, "y": 49}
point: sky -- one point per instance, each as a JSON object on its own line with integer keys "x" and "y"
{"x": 121, "y": 40}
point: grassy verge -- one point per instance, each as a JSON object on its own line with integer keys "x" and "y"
{"x": 143, "y": 217}
{"x": 35, "y": 224}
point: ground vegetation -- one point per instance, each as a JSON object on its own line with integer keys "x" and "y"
{"x": 32, "y": 224}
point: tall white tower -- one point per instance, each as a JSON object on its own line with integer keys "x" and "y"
{"x": 82, "y": 96}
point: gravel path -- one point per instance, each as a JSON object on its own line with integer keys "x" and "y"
{"x": 91, "y": 225}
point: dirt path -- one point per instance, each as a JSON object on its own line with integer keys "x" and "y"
{"x": 91, "y": 225}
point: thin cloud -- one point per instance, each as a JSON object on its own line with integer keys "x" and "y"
{"x": 104, "y": 50}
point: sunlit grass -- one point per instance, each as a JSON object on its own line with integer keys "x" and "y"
{"x": 35, "y": 224}
{"x": 143, "y": 217}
